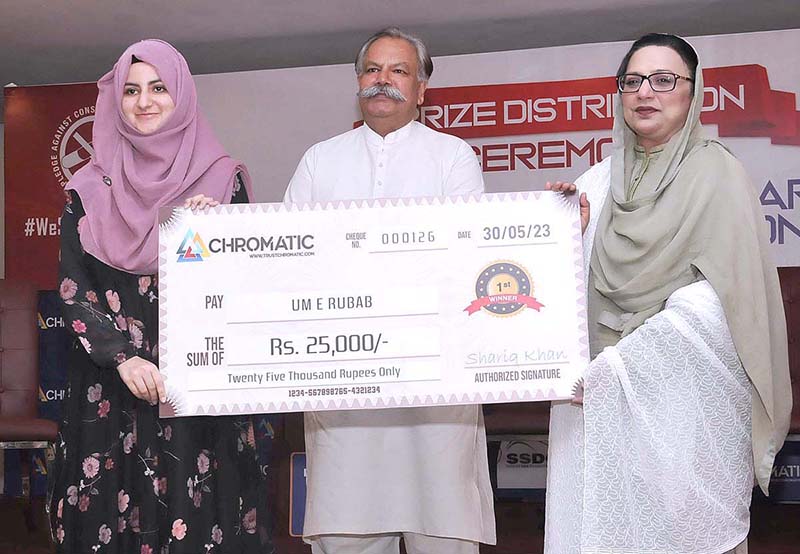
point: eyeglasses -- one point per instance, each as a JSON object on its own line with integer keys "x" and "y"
{"x": 661, "y": 81}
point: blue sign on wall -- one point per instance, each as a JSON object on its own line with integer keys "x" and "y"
{"x": 297, "y": 493}
{"x": 784, "y": 485}
{"x": 54, "y": 341}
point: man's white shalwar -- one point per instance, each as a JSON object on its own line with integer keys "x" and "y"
{"x": 660, "y": 454}
{"x": 417, "y": 470}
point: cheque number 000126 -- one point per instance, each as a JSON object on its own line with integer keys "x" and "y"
{"x": 408, "y": 237}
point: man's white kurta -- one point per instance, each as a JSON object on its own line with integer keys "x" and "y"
{"x": 418, "y": 470}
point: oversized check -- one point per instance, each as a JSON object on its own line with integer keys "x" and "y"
{"x": 275, "y": 308}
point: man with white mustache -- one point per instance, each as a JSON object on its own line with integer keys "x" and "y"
{"x": 420, "y": 474}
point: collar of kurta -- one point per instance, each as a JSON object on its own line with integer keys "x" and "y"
{"x": 400, "y": 134}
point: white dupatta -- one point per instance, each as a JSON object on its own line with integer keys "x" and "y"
{"x": 659, "y": 459}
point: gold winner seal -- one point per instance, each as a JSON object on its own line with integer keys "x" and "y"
{"x": 503, "y": 288}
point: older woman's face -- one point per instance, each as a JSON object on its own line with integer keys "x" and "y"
{"x": 146, "y": 102}
{"x": 656, "y": 116}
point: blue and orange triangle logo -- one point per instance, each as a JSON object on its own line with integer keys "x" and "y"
{"x": 192, "y": 249}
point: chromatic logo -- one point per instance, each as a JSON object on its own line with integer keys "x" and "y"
{"x": 192, "y": 249}
{"x": 49, "y": 322}
{"x": 504, "y": 288}
{"x": 52, "y": 395}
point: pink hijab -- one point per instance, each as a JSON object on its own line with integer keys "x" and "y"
{"x": 132, "y": 175}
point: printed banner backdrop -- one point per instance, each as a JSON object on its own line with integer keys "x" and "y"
{"x": 54, "y": 344}
{"x": 530, "y": 115}
{"x": 518, "y": 466}
{"x": 522, "y": 463}
{"x": 297, "y": 494}
{"x": 784, "y": 486}
{"x": 48, "y": 135}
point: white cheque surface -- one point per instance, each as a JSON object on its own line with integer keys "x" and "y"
{"x": 276, "y": 308}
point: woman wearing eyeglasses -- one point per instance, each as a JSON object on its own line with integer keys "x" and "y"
{"x": 688, "y": 395}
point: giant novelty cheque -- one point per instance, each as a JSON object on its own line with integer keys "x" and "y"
{"x": 370, "y": 304}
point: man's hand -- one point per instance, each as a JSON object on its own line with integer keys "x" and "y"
{"x": 143, "y": 379}
{"x": 200, "y": 202}
{"x": 570, "y": 188}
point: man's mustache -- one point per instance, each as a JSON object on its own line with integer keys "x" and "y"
{"x": 387, "y": 90}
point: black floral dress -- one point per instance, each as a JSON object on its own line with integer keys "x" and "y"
{"x": 126, "y": 481}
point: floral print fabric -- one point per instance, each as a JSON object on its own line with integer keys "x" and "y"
{"x": 126, "y": 481}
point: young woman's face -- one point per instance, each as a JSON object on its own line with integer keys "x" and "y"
{"x": 146, "y": 103}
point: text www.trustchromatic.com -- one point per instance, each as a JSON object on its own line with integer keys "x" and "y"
{"x": 280, "y": 254}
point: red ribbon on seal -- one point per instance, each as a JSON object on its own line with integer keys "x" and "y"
{"x": 484, "y": 301}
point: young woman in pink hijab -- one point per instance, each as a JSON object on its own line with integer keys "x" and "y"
{"x": 126, "y": 481}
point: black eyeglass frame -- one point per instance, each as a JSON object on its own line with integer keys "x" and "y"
{"x": 647, "y": 78}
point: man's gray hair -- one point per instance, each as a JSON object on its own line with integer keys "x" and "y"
{"x": 424, "y": 62}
